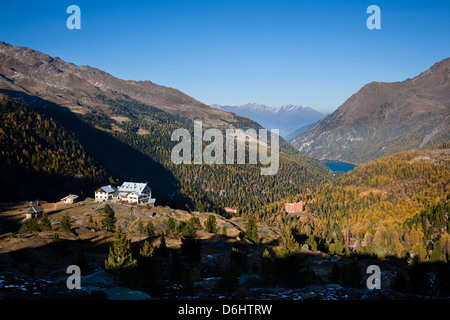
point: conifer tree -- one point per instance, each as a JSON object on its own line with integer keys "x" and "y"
{"x": 65, "y": 223}
{"x": 436, "y": 255}
{"x": 189, "y": 231}
{"x": 210, "y": 224}
{"x": 109, "y": 218}
{"x": 195, "y": 221}
{"x": 170, "y": 227}
{"x": 311, "y": 242}
{"x": 90, "y": 221}
{"x": 251, "y": 232}
{"x": 120, "y": 257}
{"x": 149, "y": 228}
{"x": 190, "y": 245}
{"x": 30, "y": 226}
{"x": 417, "y": 255}
{"x": 147, "y": 251}
{"x": 287, "y": 243}
{"x": 45, "y": 224}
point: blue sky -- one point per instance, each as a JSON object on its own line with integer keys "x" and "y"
{"x": 310, "y": 53}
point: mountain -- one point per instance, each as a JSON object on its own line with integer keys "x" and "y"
{"x": 384, "y": 118}
{"x": 287, "y": 118}
{"x": 295, "y": 133}
{"x": 82, "y": 88}
{"x": 126, "y": 127}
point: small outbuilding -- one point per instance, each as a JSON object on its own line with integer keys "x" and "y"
{"x": 71, "y": 198}
{"x": 36, "y": 211}
{"x": 294, "y": 207}
{"x": 230, "y": 210}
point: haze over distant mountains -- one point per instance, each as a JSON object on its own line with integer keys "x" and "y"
{"x": 385, "y": 118}
{"x": 287, "y": 119}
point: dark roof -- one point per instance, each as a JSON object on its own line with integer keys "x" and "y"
{"x": 35, "y": 209}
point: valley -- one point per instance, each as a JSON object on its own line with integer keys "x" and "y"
{"x": 218, "y": 231}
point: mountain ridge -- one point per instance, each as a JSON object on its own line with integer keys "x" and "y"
{"x": 383, "y": 118}
{"x": 21, "y": 70}
{"x": 286, "y": 118}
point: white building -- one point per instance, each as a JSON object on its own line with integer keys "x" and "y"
{"x": 104, "y": 193}
{"x": 133, "y": 192}
{"x": 71, "y": 198}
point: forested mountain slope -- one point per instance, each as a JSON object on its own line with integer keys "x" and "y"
{"x": 397, "y": 205}
{"x": 40, "y": 158}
